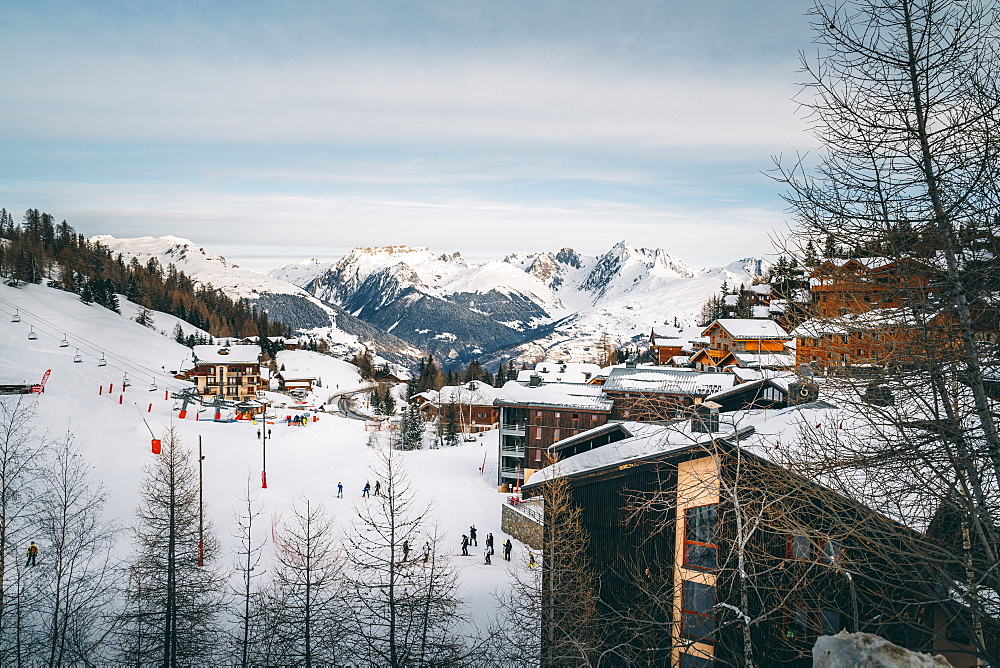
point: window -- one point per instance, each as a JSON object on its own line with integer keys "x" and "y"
{"x": 557, "y": 414}
{"x": 538, "y": 455}
{"x": 697, "y": 619}
{"x": 538, "y": 413}
{"x": 804, "y": 624}
{"x": 798, "y": 546}
{"x": 692, "y": 661}
{"x": 830, "y": 550}
{"x": 538, "y": 432}
{"x": 593, "y": 417}
{"x": 700, "y": 527}
{"x": 576, "y": 416}
{"x": 555, "y": 435}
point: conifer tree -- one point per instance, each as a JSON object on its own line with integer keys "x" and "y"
{"x": 173, "y": 605}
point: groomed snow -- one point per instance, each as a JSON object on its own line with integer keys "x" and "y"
{"x": 301, "y": 461}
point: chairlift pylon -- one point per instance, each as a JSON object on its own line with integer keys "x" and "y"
{"x": 31, "y": 334}
{"x": 64, "y": 343}
{"x": 78, "y": 358}
{"x": 17, "y": 316}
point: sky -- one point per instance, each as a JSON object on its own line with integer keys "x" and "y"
{"x": 270, "y": 132}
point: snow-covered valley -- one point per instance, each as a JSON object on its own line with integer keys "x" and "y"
{"x": 114, "y": 426}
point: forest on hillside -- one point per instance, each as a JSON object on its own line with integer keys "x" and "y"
{"x": 39, "y": 250}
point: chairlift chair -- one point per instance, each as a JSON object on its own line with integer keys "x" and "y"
{"x": 78, "y": 358}
{"x": 102, "y": 361}
{"x": 153, "y": 388}
{"x": 31, "y": 334}
{"x": 17, "y": 316}
{"x": 64, "y": 343}
{"x": 125, "y": 382}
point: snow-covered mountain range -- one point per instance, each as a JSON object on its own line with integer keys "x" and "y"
{"x": 405, "y": 301}
{"x": 543, "y": 305}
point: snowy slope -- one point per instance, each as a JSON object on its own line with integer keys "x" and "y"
{"x": 282, "y": 300}
{"x": 302, "y": 461}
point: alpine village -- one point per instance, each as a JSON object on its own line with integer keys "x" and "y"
{"x": 403, "y": 458}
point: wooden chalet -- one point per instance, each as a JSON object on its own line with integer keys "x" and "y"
{"x": 707, "y": 359}
{"x": 679, "y": 565}
{"x": 230, "y": 372}
{"x": 665, "y": 344}
{"x": 843, "y": 286}
{"x": 473, "y": 403}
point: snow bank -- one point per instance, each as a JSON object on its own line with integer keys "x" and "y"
{"x": 846, "y": 650}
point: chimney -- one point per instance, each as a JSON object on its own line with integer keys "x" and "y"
{"x": 705, "y": 419}
{"x": 534, "y": 380}
{"x": 630, "y": 362}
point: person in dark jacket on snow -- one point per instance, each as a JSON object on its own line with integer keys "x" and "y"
{"x": 507, "y": 547}
{"x": 406, "y": 550}
{"x": 489, "y": 542}
{"x": 364, "y": 492}
{"x": 378, "y": 486}
{"x": 472, "y": 535}
{"x": 465, "y": 545}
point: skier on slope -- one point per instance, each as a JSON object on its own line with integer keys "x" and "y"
{"x": 488, "y": 562}
{"x": 340, "y": 490}
{"x": 465, "y": 545}
{"x": 507, "y": 547}
{"x": 472, "y": 535}
{"x": 378, "y": 486}
{"x": 32, "y": 554}
{"x": 489, "y": 542}
{"x": 406, "y": 550}
{"x": 364, "y": 492}
{"x": 427, "y": 551}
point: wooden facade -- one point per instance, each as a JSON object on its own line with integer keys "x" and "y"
{"x": 675, "y": 566}
{"x": 840, "y": 287}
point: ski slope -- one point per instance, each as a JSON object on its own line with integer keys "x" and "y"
{"x": 111, "y": 426}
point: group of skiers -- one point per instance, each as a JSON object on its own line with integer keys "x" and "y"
{"x": 366, "y": 491}
{"x": 470, "y": 539}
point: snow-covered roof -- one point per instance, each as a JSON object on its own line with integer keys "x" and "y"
{"x": 759, "y": 312}
{"x": 557, "y": 372}
{"x": 667, "y": 380}
{"x": 475, "y": 392}
{"x": 680, "y": 360}
{"x": 227, "y": 354}
{"x": 749, "y": 328}
{"x": 773, "y": 360}
{"x": 673, "y": 341}
{"x": 565, "y": 395}
{"x": 731, "y": 300}
{"x": 761, "y": 289}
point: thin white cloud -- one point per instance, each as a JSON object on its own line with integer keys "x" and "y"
{"x": 530, "y": 99}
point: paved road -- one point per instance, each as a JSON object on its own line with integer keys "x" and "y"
{"x": 343, "y": 400}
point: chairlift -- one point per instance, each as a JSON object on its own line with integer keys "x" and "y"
{"x": 64, "y": 343}
{"x": 153, "y": 387}
{"x": 102, "y": 361}
{"x": 125, "y": 382}
{"x": 78, "y": 358}
{"x": 17, "y": 316}
{"x": 31, "y": 334}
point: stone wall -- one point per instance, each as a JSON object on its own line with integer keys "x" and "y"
{"x": 521, "y": 527}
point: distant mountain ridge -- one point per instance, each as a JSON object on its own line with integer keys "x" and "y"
{"x": 407, "y": 301}
{"x": 539, "y": 304}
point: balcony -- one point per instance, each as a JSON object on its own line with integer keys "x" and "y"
{"x": 512, "y": 472}
{"x": 516, "y": 429}
{"x": 511, "y": 451}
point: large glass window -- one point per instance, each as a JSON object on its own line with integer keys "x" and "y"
{"x": 701, "y": 525}
{"x": 692, "y": 661}
{"x": 697, "y": 615}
